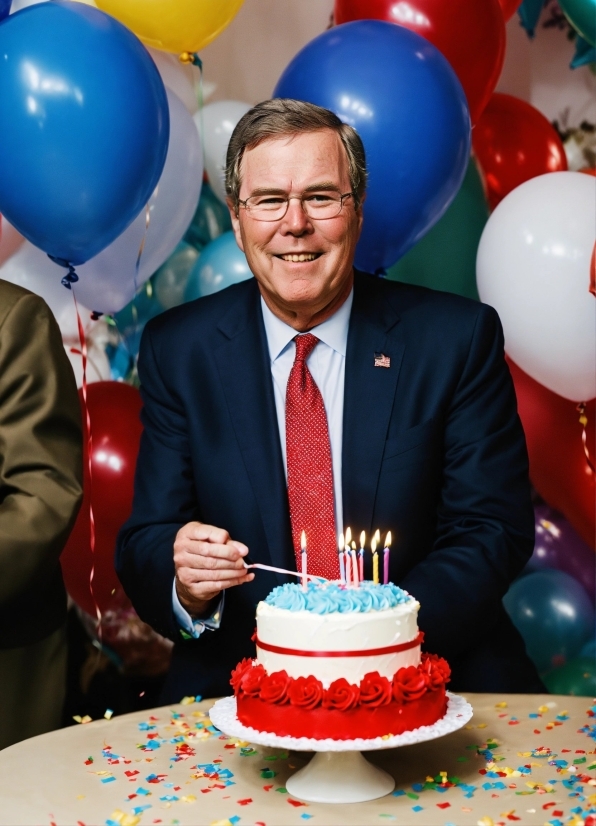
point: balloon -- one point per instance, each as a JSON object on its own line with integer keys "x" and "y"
{"x": 533, "y": 266}
{"x": 169, "y": 282}
{"x": 210, "y": 220}
{"x": 110, "y": 280}
{"x": 553, "y": 614}
{"x": 10, "y": 240}
{"x": 509, "y": 7}
{"x": 174, "y": 25}
{"x": 215, "y": 123}
{"x": 4, "y": 8}
{"x": 221, "y": 264}
{"x": 470, "y": 34}
{"x": 529, "y": 13}
{"x": 411, "y": 113}
{"x": 559, "y": 546}
{"x": 131, "y": 320}
{"x": 514, "y": 142}
{"x": 114, "y": 410}
{"x": 177, "y": 77}
{"x": 558, "y": 467}
{"x": 445, "y": 259}
{"x": 577, "y": 678}
{"x": 582, "y": 16}
{"x": 98, "y": 365}
{"x": 84, "y": 124}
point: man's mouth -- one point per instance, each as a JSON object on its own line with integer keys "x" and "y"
{"x": 299, "y": 257}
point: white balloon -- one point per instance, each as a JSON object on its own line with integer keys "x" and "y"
{"x": 108, "y": 282}
{"x": 533, "y": 267}
{"x": 215, "y": 123}
{"x": 98, "y": 365}
{"x": 178, "y": 77}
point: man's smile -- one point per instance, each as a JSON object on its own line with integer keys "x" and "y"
{"x": 299, "y": 257}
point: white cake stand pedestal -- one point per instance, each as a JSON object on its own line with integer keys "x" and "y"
{"x": 338, "y": 773}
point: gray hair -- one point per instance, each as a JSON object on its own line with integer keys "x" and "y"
{"x": 284, "y": 116}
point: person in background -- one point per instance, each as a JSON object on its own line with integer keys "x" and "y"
{"x": 40, "y": 495}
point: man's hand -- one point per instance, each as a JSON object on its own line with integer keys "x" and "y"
{"x": 206, "y": 562}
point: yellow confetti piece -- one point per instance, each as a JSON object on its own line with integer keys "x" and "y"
{"x": 187, "y": 701}
{"x": 501, "y": 705}
{"x": 485, "y": 821}
{"x": 220, "y": 823}
{"x": 80, "y": 797}
{"x": 468, "y": 727}
{"x": 108, "y": 714}
{"x": 124, "y": 819}
{"x": 78, "y": 719}
{"x": 543, "y": 709}
{"x": 188, "y": 798}
{"x": 481, "y": 725}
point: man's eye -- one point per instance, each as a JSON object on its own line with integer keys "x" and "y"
{"x": 319, "y": 198}
{"x": 268, "y": 201}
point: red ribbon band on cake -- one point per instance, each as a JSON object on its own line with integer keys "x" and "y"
{"x": 367, "y": 652}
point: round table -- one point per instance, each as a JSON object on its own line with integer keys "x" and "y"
{"x": 522, "y": 758}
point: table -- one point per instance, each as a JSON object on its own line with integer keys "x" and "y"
{"x": 522, "y": 758}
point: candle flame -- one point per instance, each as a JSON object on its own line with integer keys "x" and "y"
{"x": 362, "y": 539}
{"x": 377, "y": 536}
{"x": 353, "y": 545}
{"x": 373, "y": 544}
{"x": 388, "y": 539}
{"x": 348, "y": 536}
{"x": 340, "y": 543}
{"x": 303, "y": 541}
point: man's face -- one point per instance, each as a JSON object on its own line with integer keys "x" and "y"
{"x": 289, "y": 165}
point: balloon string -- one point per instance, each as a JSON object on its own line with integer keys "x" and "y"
{"x": 592, "y": 287}
{"x": 583, "y": 420}
{"x": 83, "y": 342}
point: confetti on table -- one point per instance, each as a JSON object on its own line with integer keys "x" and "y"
{"x": 108, "y": 714}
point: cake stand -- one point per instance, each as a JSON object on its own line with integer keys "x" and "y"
{"x": 339, "y": 773}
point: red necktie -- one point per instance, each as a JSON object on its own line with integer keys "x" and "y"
{"x": 310, "y": 472}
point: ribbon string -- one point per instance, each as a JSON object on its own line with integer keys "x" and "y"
{"x": 583, "y": 420}
{"x": 366, "y": 652}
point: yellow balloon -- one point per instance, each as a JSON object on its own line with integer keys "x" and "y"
{"x": 173, "y": 25}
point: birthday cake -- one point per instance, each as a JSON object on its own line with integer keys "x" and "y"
{"x": 339, "y": 662}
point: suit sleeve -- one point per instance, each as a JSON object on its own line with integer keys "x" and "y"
{"x": 164, "y": 497}
{"x": 485, "y": 520}
{"x": 40, "y": 447}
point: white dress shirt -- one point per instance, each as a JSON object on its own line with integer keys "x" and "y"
{"x": 327, "y": 364}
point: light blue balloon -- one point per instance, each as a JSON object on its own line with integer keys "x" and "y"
{"x": 221, "y": 264}
{"x": 553, "y": 614}
{"x": 84, "y": 127}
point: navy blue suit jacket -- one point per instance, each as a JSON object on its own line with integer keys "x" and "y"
{"x": 433, "y": 450}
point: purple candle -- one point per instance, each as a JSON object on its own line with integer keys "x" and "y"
{"x": 386, "y": 558}
{"x": 361, "y": 556}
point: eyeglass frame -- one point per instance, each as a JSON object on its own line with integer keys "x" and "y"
{"x": 301, "y": 199}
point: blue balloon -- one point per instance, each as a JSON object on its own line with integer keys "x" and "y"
{"x": 404, "y": 99}
{"x": 220, "y": 264}
{"x": 553, "y": 614}
{"x": 5, "y": 8}
{"x": 84, "y": 124}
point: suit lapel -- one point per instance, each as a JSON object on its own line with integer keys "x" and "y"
{"x": 245, "y": 372}
{"x": 368, "y": 398}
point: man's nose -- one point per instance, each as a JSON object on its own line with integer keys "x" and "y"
{"x": 296, "y": 220}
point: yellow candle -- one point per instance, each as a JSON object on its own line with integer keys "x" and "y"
{"x": 373, "y": 547}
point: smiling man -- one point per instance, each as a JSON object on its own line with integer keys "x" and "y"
{"x": 315, "y": 397}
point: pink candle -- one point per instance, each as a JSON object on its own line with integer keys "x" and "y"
{"x": 304, "y": 561}
{"x": 355, "y": 578}
{"x": 386, "y": 558}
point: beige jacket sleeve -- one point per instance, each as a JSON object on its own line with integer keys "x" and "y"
{"x": 40, "y": 441}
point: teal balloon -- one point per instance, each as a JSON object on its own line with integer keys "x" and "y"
{"x": 210, "y": 220}
{"x": 169, "y": 282}
{"x": 445, "y": 259}
{"x": 221, "y": 264}
{"x": 577, "y": 678}
{"x": 553, "y": 614}
{"x": 582, "y": 16}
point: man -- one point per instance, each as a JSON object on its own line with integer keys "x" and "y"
{"x": 317, "y": 397}
{"x": 40, "y": 494}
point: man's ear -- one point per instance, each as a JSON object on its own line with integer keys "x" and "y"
{"x": 235, "y": 223}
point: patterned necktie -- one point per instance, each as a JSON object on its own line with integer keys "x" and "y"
{"x": 310, "y": 472}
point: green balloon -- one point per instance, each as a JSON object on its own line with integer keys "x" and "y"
{"x": 582, "y": 16}
{"x": 577, "y": 677}
{"x": 445, "y": 259}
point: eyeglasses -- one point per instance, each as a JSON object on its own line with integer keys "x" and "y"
{"x": 317, "y": 205}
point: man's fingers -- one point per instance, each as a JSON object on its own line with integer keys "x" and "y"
{"x": 193, "y": 575}
{"x": 217, "y": 557}
{"x": 208, "y": 589}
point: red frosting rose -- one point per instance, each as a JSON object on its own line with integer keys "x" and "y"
{"x": 437, "y": 669}
{"x": 250, "y": 682}
{"x": 237, "y": 673}
{"x": 375, "y": 690}
{"x": 274, "y": 688}
{"x": 409, "y": 684}
{"x": 341, "y": 695}
{"x": 305, "y": 692}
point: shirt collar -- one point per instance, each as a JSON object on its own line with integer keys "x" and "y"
{"x": 333, "y": 332}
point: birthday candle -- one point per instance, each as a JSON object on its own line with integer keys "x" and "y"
{"x": 342, "y": 563}
{"x": 373, "y": 547}
{"x": 361, "y": 556}
{"x": 304, "y": 561}
{"x": 386, "y": 558}
{"x": 348, "y": 539}
{"x": 354, "y": 566}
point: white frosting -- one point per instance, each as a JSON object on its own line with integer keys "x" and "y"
{"x": 307, "y": 631}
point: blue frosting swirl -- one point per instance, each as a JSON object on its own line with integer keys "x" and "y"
{"x": 330, "y": 597}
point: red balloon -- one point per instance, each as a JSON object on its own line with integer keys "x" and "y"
{"x": 514, "y": 142}
{"x": 509, "y": 7}
{"x": 558, "y": 466}
{"x": 116, "y": 431}
{"x": 469, "y": 33}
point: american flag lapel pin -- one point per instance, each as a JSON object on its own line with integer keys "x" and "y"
{"x": 381, "y": 360}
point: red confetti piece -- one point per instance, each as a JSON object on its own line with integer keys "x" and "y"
{"x": 295, "y": 802}
{"x": 132, "y": 796}
{"x": 513, "y": 817}
{"x": 130, "y": 773}
{"x": 89, "y": 761}
{"x": 268, "y": 788}
{"x": 536, "y": 731}
{"x": 549, "y": 804}
{"x": 443, "y": 805}
{"x": 565, "y": 751}
{"x": 557, "y": 813}
{"x": 244, "y": 802}
{"x": 580, "y": 751}
{"x": 494, "y": 795}
{"x": 513, "y": 723}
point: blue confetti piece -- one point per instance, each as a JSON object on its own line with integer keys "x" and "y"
{"x": 441, "y": 789}
{"x": 226, "y": 773}
{"x": 533, "y": 716}
{"x": 152, "y": 744}
{"x": 168, "y": 785}
{"x": 142, "y": 791}
{"x": 230, "y": 783}
{"x": 146, "y": 727}
{"x": 417, "y": 808}
{"x": 107, "y": 779}
{"x": 306, "y": 817}
{"x": 140, "y": 809}
{"x": 399, "y": 793}
{"x": 168, "y": 798}
{"x": 110, "y": 822}
{"x": 417, "y": 786}
{"x": 234, "y": 819}
{"x": 577, "y": 810}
